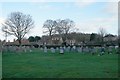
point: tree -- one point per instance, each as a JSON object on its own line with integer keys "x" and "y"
{"x": 68, "y": 26}
{"x": 37, "y": 38}
{"x": 18, "y": 24}
{"x": 102, "y": 33}
{"x": 49, "y": 26}
{"x": 31, "y": 39}
{"x": 92, "y": 37}
{"x": 64, "y": 27}
{"x": 58, "y": 27}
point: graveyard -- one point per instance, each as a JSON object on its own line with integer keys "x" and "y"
{"x": 59, "y": 39}
{"x": 39, "y": 63}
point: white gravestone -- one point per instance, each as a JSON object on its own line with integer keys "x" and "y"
{"x": 52, "y": 50}
{"x": 45, "y": 49}
{"x": 61, "y": 50}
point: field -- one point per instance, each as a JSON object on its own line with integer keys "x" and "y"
{"x": 54, "y": 65}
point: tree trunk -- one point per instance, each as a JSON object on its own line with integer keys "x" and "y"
{"x": 50, "y": 39}
{"x": 19, "y": 42}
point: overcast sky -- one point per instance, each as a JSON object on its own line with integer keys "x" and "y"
{"x": 88, "y": 15}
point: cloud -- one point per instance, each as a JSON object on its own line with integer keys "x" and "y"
{"x": 93, "y": 25}
{"x": 84, "y": 3}
{"x": 111, "y": 8}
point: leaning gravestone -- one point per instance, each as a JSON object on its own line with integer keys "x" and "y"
{"x": 61, "y": 50}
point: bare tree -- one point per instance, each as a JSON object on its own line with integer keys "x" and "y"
{"x": 18, "y": 24}
{"x": 67, "y": 26}
{"x": 49, "y": 26}
{"x": 58, "y": 27}
{"x": 102, "y": 33}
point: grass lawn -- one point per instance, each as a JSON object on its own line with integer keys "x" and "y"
{"x": 53, "y": 65}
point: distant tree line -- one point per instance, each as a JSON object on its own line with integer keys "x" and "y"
{"x": 34, "y": 39}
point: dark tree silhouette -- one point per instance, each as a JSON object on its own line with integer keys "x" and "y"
{"x": 31, "y": 39}
{"x": 18, "y": 24}
{"x": 93, "y": 37}
{"x": 37, "y": 38}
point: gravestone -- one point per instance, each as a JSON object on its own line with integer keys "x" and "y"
{"x": 68, "y": 49}
{"x": 110, "y": 50}
{"x": 87, "y": 50}
{"x": 52, "y": 50}
{"x": 79, "y": 49}
{"x": 93, "y": 50}
{"x": 61, "y": 50}
{"x": 74, "y": 48}
{"x": 45, "y": 49}
{"x": 41, "y": 48}
{"x": 57, "y": 48}
{"x": 102, "y": 51}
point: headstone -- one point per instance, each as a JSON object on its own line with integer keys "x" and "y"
{"x": 45, "y": 49}
{"x": 102, "y": 51}
{"x": 79, "y": 49}
{"x": 74, "y": 48}
{"x": 64, "y": 47}
{"x": 57, "y": 48}
{"x": 93, "y": 50}
{"x": 27, "y": 48}
{"x": 110, "y": 50}
{"x": 68, "y": 49}
{"x": 41, "y": 49}
{"x": 87, "y": 50}
{"x": 52, "y": 50}
{"x": 61, "y": 50}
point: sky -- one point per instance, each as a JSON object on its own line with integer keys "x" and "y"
{"x": 88, "y": 15}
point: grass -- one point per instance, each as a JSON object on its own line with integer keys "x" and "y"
{"x": 53, "y": 65}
